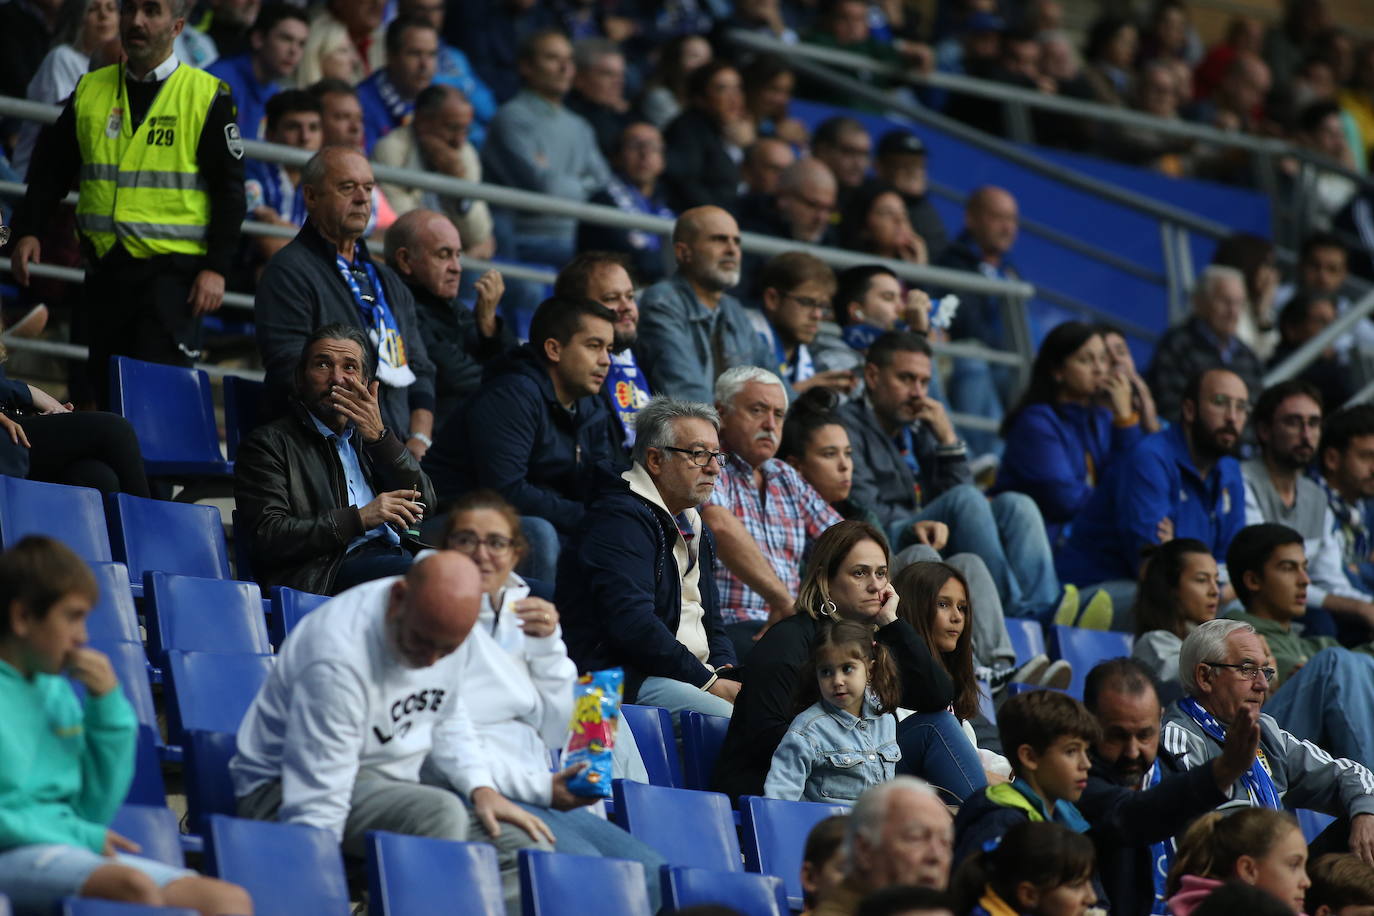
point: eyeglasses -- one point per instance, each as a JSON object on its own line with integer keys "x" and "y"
{"x": 468, "y": 542}
{"x": 1248, "y": 671}
{"x": 699, "y": 456}
{"x": 808, "y": 304}
{"x": 1220, "y": 400}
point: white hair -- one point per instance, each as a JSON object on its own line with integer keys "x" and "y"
{"x": 1214, "y": 274}
{"x": 732, "y": 381}
{"x": 870, "y": 811}
{"x": 1207, "y": 643}
{"x": 654, "y": 424}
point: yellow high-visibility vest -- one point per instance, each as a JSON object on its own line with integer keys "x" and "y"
{"x": 143, "y": 188}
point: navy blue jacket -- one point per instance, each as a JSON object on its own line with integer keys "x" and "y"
{"x": 514, "y": 437}
{"x": 619, "y": 595}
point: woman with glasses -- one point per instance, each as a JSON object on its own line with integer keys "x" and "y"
{"x": 518, "y": 688}
{"x": 846, "y": 578}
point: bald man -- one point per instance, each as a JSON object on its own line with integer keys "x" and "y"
{"x": 691, "y": 329}
{"x": 426, "y": 249}
{"x": 326, "y": 275}
{"x": 366, "y": 691}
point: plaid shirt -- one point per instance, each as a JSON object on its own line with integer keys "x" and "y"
{"x": 789, "y": 513}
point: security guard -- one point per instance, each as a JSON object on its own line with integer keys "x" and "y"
{"x": 159, "y": 157}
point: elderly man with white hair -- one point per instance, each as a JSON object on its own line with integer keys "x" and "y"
{"x": 1225, "y": 675}
{"x": 1208, "y": 339}
{"x": 899, "y": 834}
{"x": 762, "y": 511}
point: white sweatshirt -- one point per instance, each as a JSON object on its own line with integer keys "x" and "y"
{"x": 340, "y": 699}
{"x": 519, "y": 695}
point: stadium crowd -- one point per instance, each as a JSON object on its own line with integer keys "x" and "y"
{"x": 745, "y": 481}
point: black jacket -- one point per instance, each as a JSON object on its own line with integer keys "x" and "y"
{"x": 292, "y": 498}
{"x": 619, "y": 594}
{"x": 765, "y": 706}
{"x": 456, "y": 348}
{"x": 699, "y": 169}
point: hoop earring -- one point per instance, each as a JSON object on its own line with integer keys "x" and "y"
{"x": 829, "y": 609}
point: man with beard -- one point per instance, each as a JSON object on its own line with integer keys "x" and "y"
{"x": 1345, "y": 471}
{"x": 1182, "y": 479}
{"x": 1288, "y": 422}
{"x": 1127, "y": 759}
{"x": 762, "y": 513}
{"x": 603, "y": 277}
{"x": 693, "y": 330}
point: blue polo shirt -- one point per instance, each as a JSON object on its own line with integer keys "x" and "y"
{"x": 359, "y": 490}
{"x": 250, "y": 96}
{"x": 1154, "y": 480}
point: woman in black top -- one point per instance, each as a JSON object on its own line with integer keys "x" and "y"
{"x": 846, "y": 578}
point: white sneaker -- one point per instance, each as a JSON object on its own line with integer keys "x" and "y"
{"x": 1033, "y": 671}
{"x": 1058, "y": 675}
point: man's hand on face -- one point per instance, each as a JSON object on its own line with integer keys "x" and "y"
{"x": 360, "y": 406}
{"x": 932, "y": 413}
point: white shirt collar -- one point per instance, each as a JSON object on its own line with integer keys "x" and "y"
{"x": 159, "y": 73}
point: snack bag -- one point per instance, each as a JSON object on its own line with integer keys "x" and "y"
{"x": 596, "y": 713}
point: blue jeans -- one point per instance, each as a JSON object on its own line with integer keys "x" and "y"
{"x": 935, "y": 748}
{"x": 1328, "y": 702}
{"x": 371, "y": 561}
{"x": 541, "y": 560}
{"x": 675, "y": 696}
{"x": 1008, "y": 532}
{"x": 582, "y": 833}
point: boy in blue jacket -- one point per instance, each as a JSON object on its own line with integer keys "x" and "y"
{"x": 65, "y": 764}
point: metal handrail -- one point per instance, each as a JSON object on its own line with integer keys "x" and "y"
{"x": 1308, "y": 352}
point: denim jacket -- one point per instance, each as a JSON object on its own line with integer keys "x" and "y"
{"x": 829, "y": 755}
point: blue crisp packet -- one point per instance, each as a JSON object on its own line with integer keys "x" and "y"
{"x": 596, "y": 713}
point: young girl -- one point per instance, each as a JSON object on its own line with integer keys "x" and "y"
{"x": 1258, "y": 846}
{"x": 1038, "y": 869}
{"x": 824, "y": 757}
{"x": 1178, "y": 590}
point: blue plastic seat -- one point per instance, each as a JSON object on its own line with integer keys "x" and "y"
{"x": 72, "y": 515}
{"x": 652, "y": 727}
{"x": 1086, "y": 648}
{"x": 131, "y": 668}
{"x": 242, "y": 410}
{"x": 702, "y": 737}
{"x": 1027, "y": 638}
{"x": 154, "y": 829}
{"x": 74, "y": 906}
{"x": 243, "y": 552}
{"x": 1312, "y": 822}
{"x": 289, "y": 607}
{"x": 288, "y": 869}
{"x": 556, "y": 884}
{"x": 211, "y": 691}
{"x": 748, "y": 894}
{"x": 171, "y": 537}
{"x": 147, "y": 787}
{"x": 114, "y": 617}
{"x": 209, "y": 790}
{"x": 205, "y": 615}
{"x": 173, "y": 411}
{"x": 686, "y": 827}
{"x": 773, "y": 832}
{"x": 416, "y": 876}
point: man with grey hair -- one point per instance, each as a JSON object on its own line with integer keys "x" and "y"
{"x": 1225, "y": 681}
{"x": 636, "y": 586}
{"x": 598, "y": 91}
{"x": 762, "y": 512}
{"x": 692, "y": 329}
{"x": 899, "y": 833}
{"x": 1206, "y": 340}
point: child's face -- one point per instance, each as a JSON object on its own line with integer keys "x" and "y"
{"x": 951, "y": 615}
{"x": 819, "y": 880}
{"x": 1282, "y": 871}
{"x": 1066, "y": 899}
{"x": 50, "y": 640}
{"x": 1061, "y": 772}
{"x": 842, "y": 678}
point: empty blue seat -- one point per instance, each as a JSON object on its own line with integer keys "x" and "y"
{"x": 147, "y": 787}
{"x": 173, "y": 411}
{"x": 685, "y": 827}
{"x": 289, "y": 607}
{"x": 555, "y": 884}
{"x": 72, "y": 515}
{"x": 243, "y": 554}
{"x": 74, "y": 906}
{"x": 773, "y": 832}
{"x": 211, "y": 691}
{"x": 702, "y": 737}
{"x": 652, "y": 727}
{"x": 242, "y": 410}
{"x": 1085, "y": 648}
{"x": 170, "y": 537}
{"x": 749, "y": 894}
{"x": 114, "y": 617}
{"x": 209, "y": 790}
{"x": 287, "y": 869}
{"x": 206, "y": 615}
{"x": 1027, "y": 638}
{"x": 154, "y": 829}
{"x": 416, "y": 876}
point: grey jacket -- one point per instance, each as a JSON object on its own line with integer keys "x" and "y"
{"x": 829, "y": 755}
{"x": 1305, "y": 775}
{"x": 882, "y": 479}
{"x": 674, "y": 347}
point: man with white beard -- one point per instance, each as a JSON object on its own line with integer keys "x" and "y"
{"x": 691, "y": 330}
{"x": 762, "y": 513}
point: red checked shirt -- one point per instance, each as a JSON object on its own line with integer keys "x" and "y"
{"x": 781, "y": 520}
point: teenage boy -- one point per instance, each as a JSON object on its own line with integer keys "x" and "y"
{"x": 67, "y": 763}
{"x": 1342, "y": 885}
